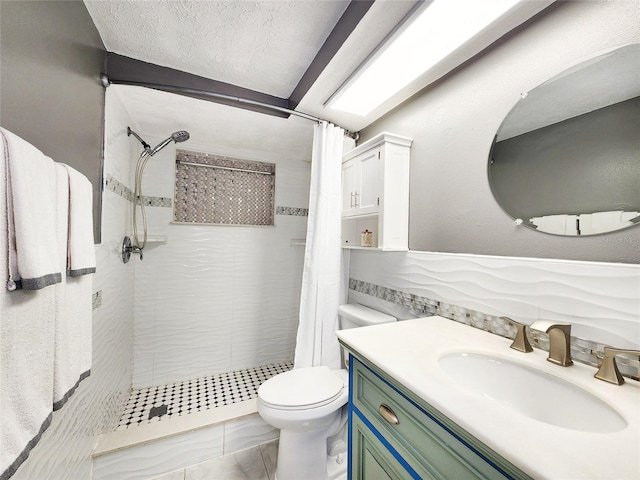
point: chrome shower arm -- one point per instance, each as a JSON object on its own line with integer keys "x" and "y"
{"x": 145, "y": 145}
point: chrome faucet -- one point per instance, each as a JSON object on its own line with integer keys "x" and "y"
{"x": 520, "y": 342}
{"x": 608, "y": 371}
{"x": 559, "y": 340}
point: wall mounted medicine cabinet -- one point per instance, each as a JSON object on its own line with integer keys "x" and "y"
{"x": 375, "y": 193}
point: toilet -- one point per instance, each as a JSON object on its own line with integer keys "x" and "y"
{"x": 308, "y": 405}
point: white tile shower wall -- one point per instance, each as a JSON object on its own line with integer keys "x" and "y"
{"x": 217, "y": 298}
{"x": 600, "y": 300}
{"x": 64, "y": 452}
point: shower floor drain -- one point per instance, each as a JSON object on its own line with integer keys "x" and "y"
{"x": 154, "y": 404}
{"x": 158, "y": 411}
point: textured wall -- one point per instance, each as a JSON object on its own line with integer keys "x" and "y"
{"x": 64, "y": 452}
{"x": 600, "y": 300}
{"x": 217, "y": 298}
{"x": 52, "y": 57}
{"x": 453, "y": 124}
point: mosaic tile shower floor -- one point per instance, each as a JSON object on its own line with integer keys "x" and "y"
{"x": 154, "y": 404}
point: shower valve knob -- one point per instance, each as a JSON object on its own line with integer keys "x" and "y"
{"x": 128, "y": 249}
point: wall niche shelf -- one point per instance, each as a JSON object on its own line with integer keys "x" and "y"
{"x": 156, "y": 239}
{"x": 375, "y": 193}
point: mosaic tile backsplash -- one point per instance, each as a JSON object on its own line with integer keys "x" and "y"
{"x": 96, "y": 300}
{"x": 582, "y": 350}
{"x": 293, "y": 211}
{"x": 114, "y": 185}
{"x": 239, "y": 192}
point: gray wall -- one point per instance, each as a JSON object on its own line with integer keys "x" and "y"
{"x": 590, "y": 163}
{"x": 453, "y": 124}
{"x": 50, "y": 92}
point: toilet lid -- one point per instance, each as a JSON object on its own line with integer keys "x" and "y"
{"x": 301, "y": 387}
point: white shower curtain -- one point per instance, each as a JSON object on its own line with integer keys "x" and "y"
{"x": 316, "y": 341}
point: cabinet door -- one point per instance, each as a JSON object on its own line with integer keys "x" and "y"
{"x": 348, "y": 187}
{"x": 361, "y": 184}
{"x": 368, "y": 182}
{"x": 370, "y": 458}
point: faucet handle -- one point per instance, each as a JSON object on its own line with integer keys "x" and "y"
{"x": 520, "y": 342}
{"x": 608, "y": 371}
{"x": 547, "y": 325}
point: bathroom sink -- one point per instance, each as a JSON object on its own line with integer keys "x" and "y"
{"x": 532, "y": 392}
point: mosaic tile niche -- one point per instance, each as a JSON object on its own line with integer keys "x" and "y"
{"x": 213, "y": 189}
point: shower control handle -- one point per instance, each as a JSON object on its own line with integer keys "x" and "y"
{"x": 138, "y": 250}
{"x": 128, "y": 249}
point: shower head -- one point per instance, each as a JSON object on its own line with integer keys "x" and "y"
{"x": 179, "y": 136}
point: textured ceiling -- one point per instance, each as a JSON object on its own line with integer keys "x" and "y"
{"x": 261, "y": 45}
{"x": 265, "y": 46}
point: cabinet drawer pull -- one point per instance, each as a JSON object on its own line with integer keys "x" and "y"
{"x": 388, "y": 414}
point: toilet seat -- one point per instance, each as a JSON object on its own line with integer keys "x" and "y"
{"x": 301, "y": 388}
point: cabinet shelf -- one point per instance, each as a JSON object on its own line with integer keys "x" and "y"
{"x": 156, "y": 239}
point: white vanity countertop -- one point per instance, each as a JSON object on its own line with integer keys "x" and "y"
{"x": 409, "y": 350}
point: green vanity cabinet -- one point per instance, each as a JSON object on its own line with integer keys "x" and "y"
{"x": 371, "y": 458}
{"x": 396, "y": 435}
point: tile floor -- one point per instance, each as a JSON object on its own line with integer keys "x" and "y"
{"x": 153, "y": 404}
{"x": 256, "y": 463}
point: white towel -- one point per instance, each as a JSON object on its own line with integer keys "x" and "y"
{"x": 554, "y": 224}
{"x": 30, "y": 203}
{"x": 81, "y": 252}
{"x": 606, "y": 221}
{"x": 571, "y": 227}
{"x": 586, "y": 224}
{"x": 72, "y": 343}
{"x": 26, "y": 359}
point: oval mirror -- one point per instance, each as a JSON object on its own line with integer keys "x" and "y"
{"x": 566, "y": 159}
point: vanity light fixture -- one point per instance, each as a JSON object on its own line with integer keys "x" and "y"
{"x": 432, "y": 33}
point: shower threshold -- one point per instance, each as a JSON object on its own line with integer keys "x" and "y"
{"x": 156, "y": 412}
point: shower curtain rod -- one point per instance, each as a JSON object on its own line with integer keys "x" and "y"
{"x": 218, "y": 167}
{"x": 106, "y": 81}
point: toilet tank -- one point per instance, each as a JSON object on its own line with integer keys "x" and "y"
{"x": 354, "y": 315}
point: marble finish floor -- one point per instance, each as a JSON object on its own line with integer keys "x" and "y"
{"x": 256, "y": 463}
